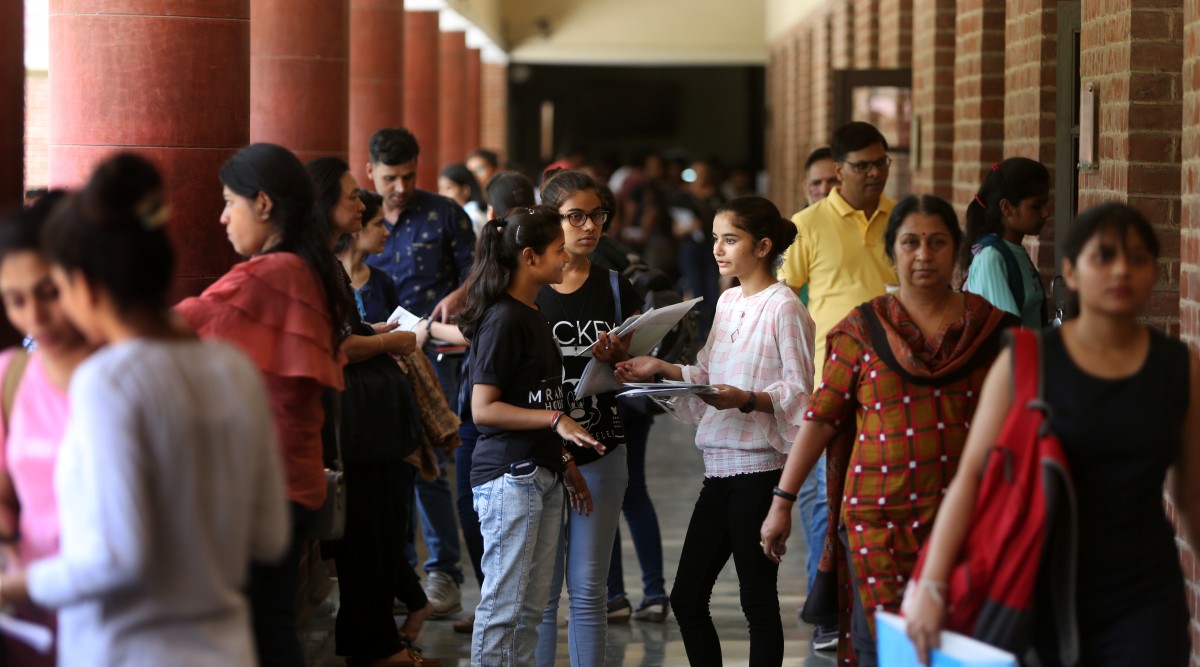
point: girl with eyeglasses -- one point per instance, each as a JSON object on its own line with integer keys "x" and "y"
{"x": 590, "y": 302}
{"x": 758, "y": 359}
{"x": 517, "y": 469}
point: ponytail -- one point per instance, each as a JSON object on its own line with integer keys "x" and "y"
{"x": 497, "y": 255}
{"x": 1015, "y": 179}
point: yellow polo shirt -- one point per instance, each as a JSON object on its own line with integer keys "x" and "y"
{"x": 840, "y": 255}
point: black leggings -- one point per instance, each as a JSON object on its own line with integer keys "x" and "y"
{"x": 726, "y": 521}
{"x": 273, "y": 601}
{"x": 370, "y": 560}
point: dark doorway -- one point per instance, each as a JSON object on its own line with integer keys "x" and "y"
{"x": 611, "y": 113}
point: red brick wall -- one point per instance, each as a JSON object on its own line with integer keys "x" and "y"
{"x": 1133, "y": 51}
{"x": 866, "y": 34}
{"x": 822, "y": 85}
{"x": 1189, "y": 279}
{"x": 895, "y": 33}
{"x": 841, "y": 17}
{"x": 773, "y": 126}
{"x": 1030, "y": 56}
{"x": 933, "y": 94}
{"x": 978, "y": 95}
{"x": 37, "y": 130}
{"x": 802, "y": 119}
{"x": 493, "y": 116}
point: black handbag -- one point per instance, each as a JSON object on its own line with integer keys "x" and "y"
{"x": 328, "y": 522}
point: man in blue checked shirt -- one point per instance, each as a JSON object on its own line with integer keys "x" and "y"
{"x": 428, "y": 254}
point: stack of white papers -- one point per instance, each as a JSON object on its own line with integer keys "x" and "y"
{"x": 897, "y": 650}
{"x": 648, "y": 329}
{"x": 667, "y": 389}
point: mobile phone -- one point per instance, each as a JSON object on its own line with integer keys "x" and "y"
{"x": 522, "y": 468}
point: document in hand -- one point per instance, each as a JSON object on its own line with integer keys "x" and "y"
{"x": 406, "y": 320}
{"x": 38, "y": 637}
{"x": 897, "y": 650}
{"x": 648, "y": 329}
{"x": 666, "y": 389}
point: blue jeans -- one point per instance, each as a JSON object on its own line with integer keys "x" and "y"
{"x": 639, "y": 514}
{"x": 467, "y": 517}
{"x": 814, "y": 517}
{"x": 522, "y": 520}
{"x": 434, "y": 499}
{"x": 584, "y": 555}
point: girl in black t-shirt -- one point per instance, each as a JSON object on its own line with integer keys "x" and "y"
{"x": 516, "y": 401}
{"x": 581, "y": 310}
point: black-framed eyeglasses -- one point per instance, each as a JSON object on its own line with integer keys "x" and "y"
{"x": 865, "y": 165}
{"x": 578, "y": 218}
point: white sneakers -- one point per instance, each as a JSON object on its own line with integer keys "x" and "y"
{"x": 442, "y": 591}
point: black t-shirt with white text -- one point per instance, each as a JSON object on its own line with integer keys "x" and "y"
{"x": 576, "y": 320}
{"x": 514, "y": 350}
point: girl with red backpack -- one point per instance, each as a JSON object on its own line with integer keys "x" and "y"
{"x": 1125, "y": 402}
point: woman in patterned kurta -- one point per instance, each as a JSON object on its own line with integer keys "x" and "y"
{"x": 900, "y": 384}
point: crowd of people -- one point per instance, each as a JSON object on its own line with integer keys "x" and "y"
{"x": 164, "y": 467}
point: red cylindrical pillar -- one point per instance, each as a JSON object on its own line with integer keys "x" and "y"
{"x": 421, "y": 64}
{"x": 130, "y": 76}
{"x": 472, "y": 102}
{"x": 452, "y": 94}
{"x": 376, "y": 75}
{"x": 300, "y": 75}
{"x": 12, "y": 103}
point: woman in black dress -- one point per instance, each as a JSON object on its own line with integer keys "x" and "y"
{"x": 1126, "y": 403}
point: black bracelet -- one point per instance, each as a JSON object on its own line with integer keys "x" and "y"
{"x": 783, "y": 494}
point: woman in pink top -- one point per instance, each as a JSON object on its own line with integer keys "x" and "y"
{"x": 759, "y": 359}
{"x": 31, "y": 430}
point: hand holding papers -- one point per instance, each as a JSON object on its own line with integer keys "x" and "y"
{"x": 648, "y": 329}
{"x": 404, "y": 320}
{"x": 897, "y": 650}
{"x": 666, "y": 389}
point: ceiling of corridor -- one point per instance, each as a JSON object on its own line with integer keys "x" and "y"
{"x": 650, "y": 32}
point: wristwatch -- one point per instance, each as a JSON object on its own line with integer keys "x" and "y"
{"x": 749, "y": 406}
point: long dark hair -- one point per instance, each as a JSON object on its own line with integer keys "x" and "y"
{"x": 277, "y": 172}
{"x": 326, "y": 173}
{"x": 458, "y": 173}
{"x": 114, "y": 232}
{"x": 509, "y": 189}
{"x": 559, "y": 185}
{"x": 497, "y": 254}
{"x": 1016, "y": 179}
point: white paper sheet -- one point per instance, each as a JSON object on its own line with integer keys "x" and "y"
{"x": 648, "y": 329}
{"x": 406, "y": 320}
{"x": 665, "y": 389}
{"x": 36, "y": 636}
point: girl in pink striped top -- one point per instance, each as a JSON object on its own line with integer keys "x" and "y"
{"x": 759, "y": 359}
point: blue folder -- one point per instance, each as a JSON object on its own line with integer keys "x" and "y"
{"x": 896, "y": 650}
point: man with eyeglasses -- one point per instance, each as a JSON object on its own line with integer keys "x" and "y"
{"x": 428, "y": 254}
{"x": 839, "y": 255}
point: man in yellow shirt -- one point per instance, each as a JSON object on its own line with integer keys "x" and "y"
{"x": 839, "y": 250}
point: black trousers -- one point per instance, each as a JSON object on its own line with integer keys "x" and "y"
{"x": 273, "y": 601}
{"x": 370, "y": 562}
{"x": 725, "y": 522}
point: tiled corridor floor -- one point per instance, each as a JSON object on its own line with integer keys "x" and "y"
{"x": 675, "y": 472}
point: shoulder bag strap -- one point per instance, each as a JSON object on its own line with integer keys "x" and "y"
{"x": 1012, "y": 267}
{"x": 614, "y": 281}
{"x": 12, "y": 380}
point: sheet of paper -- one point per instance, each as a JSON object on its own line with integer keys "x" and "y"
{"x": 896, "y": 649}
{"x": 406, "y": 320}
{"x": 665, "y": 389}
{"x": 648, "y": 329}
{"x": 38, "y": 637}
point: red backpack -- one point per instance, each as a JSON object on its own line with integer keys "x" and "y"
{"x": 1024, "y": 522}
